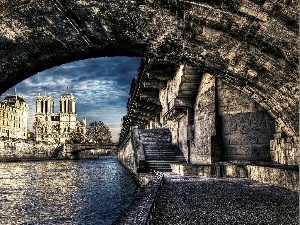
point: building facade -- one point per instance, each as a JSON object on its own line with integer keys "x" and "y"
{"x": 13, "y": 117}
{"x": 57, "y": 127}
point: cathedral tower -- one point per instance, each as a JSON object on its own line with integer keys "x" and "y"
{"x": 44, "y": 104}
{"x": 67, "y": 103}
{"x": 57, "y": 127}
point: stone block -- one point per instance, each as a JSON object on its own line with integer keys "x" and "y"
{"x": 244, "y": 150}
{"x": 226, "y": 139}
{"x": 249, "y": 138}
{"x": 272, "y": 145}
{"x": 230, "y": 150}
{"x": 233, "y": 170}
{"x": 243, "y": 122}
{"x": 229, "y": 126}
{"x": 263, "y": 138}
{"x": 257, "y": 121}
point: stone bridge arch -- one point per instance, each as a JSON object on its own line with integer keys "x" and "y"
{"x": 252, "y": 44}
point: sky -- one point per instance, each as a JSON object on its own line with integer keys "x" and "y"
{"x": 100, "y": 86}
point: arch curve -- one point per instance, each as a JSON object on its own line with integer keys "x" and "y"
{"x": 249, "y": 43}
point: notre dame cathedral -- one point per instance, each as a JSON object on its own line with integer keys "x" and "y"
{"x": 56, "y": 127}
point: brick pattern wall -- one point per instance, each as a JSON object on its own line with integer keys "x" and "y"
{"x": 204, "y": 121}
{"x": 246, "y": 136}
{"x": 245, "y": 127}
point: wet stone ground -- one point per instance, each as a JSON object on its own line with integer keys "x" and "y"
{"x": 196, "y": 200}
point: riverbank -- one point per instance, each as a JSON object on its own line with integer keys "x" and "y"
{"x": 199, "y": 200}
{"x": 142, "y": 208}
{"x": 16, "y": 150}
{"x": 25, "y": 150}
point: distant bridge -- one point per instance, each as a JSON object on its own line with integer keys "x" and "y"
{"x": 93, "y": 148}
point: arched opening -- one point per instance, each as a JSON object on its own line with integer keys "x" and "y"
{"x": 98, "y": 86}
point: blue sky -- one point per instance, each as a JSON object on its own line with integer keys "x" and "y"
{"x": 100, "y": 86}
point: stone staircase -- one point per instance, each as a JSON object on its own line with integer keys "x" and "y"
{"x": 159, "y": 150}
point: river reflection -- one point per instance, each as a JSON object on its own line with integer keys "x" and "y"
{"x": 64, "y": 192}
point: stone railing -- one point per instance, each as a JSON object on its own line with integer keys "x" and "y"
{"x": 284, "y": 176}
{"x": 141, "y": 161}
{"x": 131, "y": 152}
{"x": 143, "y": 207}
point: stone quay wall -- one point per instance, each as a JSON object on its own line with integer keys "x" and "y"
{"x": 18, "y": 149}
{"x": 126, "y": 154}
{"x": 283, "y": 176}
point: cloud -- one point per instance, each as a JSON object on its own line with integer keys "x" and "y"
{"x": 100, "y": 86}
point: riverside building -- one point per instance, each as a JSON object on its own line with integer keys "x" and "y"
{"x": 56, "y": 127}
{"x": 13, "y": 116}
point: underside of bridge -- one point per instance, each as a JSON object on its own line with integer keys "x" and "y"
{"x": 196, "y": 54}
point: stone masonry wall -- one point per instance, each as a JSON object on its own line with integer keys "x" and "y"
{"x": 182, "y": 139}
{"x": 284, "y": 150}
{"x": 201, "y": 149}
{"x": 245, "y": 127}
{"x": 179, "y": 130}
{"x": 126, "y": 154}
{"x": 21, "y": 149}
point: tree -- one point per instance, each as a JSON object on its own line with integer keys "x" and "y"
{"x": 98, "y": 132}
{"x": 76, "y": 137}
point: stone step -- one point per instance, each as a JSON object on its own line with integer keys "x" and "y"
{"x": 161, "y": 161}
{"x": 153, "y": 149}
{"x": 155, "y": 134}
{"x": 156, "y": 139}
{"x": 160, "y": 130}
{"x": 159, "y": 150}
{"x": 161, "y": 169}
{"x": 162, "y": 151}
{"x": 167, "y": 151}
{"x": 164, "y": 157}
{"x": 168, "y": 154}
{"x": 159, "y": 146}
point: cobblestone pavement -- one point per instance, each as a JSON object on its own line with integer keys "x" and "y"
{"x": 196, "y": 200}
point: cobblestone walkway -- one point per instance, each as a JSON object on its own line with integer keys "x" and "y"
{"x": 195, "y": 200}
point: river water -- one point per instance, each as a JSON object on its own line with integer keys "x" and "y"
{"x": 64, "y": 192}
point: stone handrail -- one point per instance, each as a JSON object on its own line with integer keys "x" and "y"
{"x": 153, "y": 200}
{"x": 144, "y": 206}
{"x": 141, "y": 161}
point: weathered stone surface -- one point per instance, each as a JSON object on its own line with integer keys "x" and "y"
{"x": 285, "y": 150}
{"x": 245, "y": 127}
{"x": 195, "y": 200}
{"x": 11, "y": 150}
{"x": 205, "y": 111}
{"x": 250, "y": 44}
{"x": 269, "y": 173}
{"x": 280, "y": 177}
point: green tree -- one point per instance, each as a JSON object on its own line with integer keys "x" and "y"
{"x": 76, "y": 137}
{"x": 98, "y": 132}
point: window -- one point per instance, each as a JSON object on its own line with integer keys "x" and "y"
{"x": 42, "y": 106}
